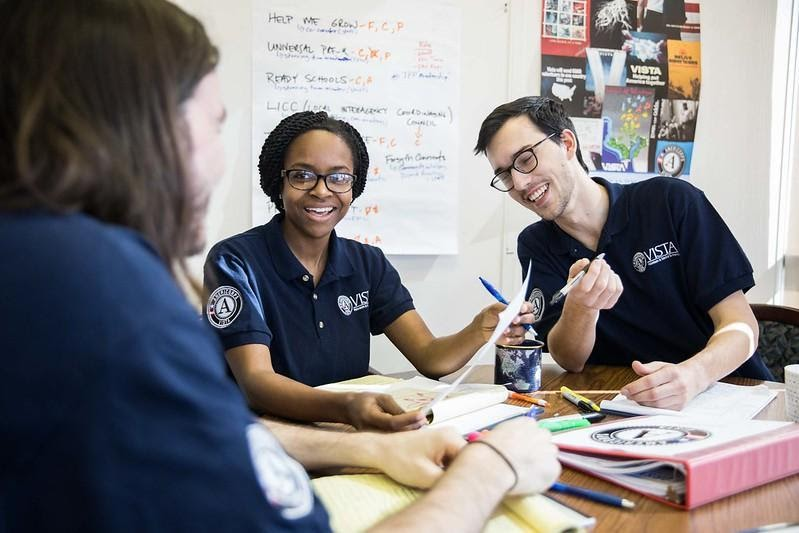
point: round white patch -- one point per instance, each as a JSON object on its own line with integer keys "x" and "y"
{"x": 224, "y": 305}
{"x": 671, "y": 161}
{"x": 345, "y": 305}
{"x": 538, "y": 302}
{"x": 283, "y": 480}
{"x": 639, "y": 262}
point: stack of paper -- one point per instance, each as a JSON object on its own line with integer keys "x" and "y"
{"x": 719, "y": 401}
{"x": 468, "y": 408}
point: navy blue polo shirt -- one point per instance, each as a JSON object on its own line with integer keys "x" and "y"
{"x": 116, "y": 413}
{"x": 676, "y": 259}
{"x": 261, "y": 294}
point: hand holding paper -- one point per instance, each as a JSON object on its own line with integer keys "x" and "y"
{"x": 505, "y": 319}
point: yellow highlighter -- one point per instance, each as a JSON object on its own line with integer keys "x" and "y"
{"x": 578, "y": 399}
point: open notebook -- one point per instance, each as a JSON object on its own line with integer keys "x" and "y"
{"x": 377, "y": 497}
{"x": 469, "y": 407}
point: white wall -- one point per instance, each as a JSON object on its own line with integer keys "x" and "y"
{"x": 733, "y": 136}
{"x": 500, "y": 61}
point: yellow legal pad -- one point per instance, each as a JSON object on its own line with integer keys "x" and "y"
{"x": 356, "y": 502}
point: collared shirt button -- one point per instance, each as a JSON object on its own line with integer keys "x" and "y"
{"x": 315, "y": 297}
{"x": 321, "y": 324}
{"x": 305, "y": 277}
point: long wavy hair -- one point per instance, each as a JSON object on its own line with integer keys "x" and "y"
{"x": 90, "y": 113}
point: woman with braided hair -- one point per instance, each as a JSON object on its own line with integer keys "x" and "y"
{"x": 294, "y": 304}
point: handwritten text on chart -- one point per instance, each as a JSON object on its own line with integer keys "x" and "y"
{"x": 373, "y": 26}
{"x": 393, "y": 75}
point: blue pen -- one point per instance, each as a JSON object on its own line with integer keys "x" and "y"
{"x": 593, "y": 495}
{"x": 501, "y": 299}
{"x": 534, "y": 411}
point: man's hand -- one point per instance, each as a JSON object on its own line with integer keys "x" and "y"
{"x": 488, "y": 319}
{"x": 418, "y": 458}
{"x": 366, "y": 410}
{"x": 665, "y": 385}
{"x": 531, "y": 452}
{"x": 600, "y": 287}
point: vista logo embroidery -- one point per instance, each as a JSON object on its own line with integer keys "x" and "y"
{"x": 350, "y": 304}
{"x": 655, "y": 254}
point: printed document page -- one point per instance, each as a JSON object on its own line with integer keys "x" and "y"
{"x": 719, "y": 401}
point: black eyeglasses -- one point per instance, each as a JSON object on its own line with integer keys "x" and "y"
{"x": 524, "y": 162}
{"x": 305, "y": 180}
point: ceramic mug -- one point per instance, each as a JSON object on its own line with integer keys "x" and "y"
{"x": 518, "y": 366}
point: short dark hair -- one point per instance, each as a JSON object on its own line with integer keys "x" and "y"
{"x": 547, "y": 114}
{"x": 273, "y": 152}
{"x": 90, "y": 113}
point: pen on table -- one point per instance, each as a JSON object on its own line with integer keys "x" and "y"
{"x": 579, "y": 400}
{"x": 558, "y": 296}
{"x": 524, "y": 398}
{"x": 591, "y": 417}
{"x": 501, "y": 299}
{"x": 613, "y": 412}
{"x": 784, "y": 526}
{"x": 593, "y": 495}
{"x": 534, "y": 411}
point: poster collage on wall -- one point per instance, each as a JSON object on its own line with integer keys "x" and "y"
{"x": 628, "y": 74}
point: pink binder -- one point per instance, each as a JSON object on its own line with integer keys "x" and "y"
{"x": 710, "y": 472}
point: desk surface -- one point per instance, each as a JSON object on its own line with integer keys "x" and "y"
{"x": 767, "y": 504}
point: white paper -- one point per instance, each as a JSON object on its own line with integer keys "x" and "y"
{"x": 483, "y": 418}
{"x": 505, "y": 319}
{"x": 720, "y": 401}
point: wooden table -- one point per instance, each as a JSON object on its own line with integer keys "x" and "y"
{"x": 767, "y": 504}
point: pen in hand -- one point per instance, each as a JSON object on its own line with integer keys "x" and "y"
{"x": 501, "y": 299}
{"x": 558, "y": 296}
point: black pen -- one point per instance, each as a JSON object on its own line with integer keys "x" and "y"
{"x": 613, "y": 412}
{"x": 558, "y": 296}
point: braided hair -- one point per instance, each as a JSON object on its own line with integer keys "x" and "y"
{"x": 273, "y": 152}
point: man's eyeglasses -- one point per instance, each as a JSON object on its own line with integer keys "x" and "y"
{"x": 524, "y": 162}
{"x": 305, "y": 180}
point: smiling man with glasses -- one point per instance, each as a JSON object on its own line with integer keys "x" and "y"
{"x": 679, "y": 316}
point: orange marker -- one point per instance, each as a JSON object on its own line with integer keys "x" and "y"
{"x": 528, "y": 399}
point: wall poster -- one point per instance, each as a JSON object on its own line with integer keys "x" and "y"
{"x": 628, "y": 73}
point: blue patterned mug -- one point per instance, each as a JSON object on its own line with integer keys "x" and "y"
{"x": 518, "y": 367}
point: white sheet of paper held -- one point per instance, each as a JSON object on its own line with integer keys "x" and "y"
{"x": 505, "y": 318}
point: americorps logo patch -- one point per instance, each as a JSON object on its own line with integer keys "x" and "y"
{"x": 283, "y": 480}
{"x": 224, "y": 305}
{"x": 538, "y": 302}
